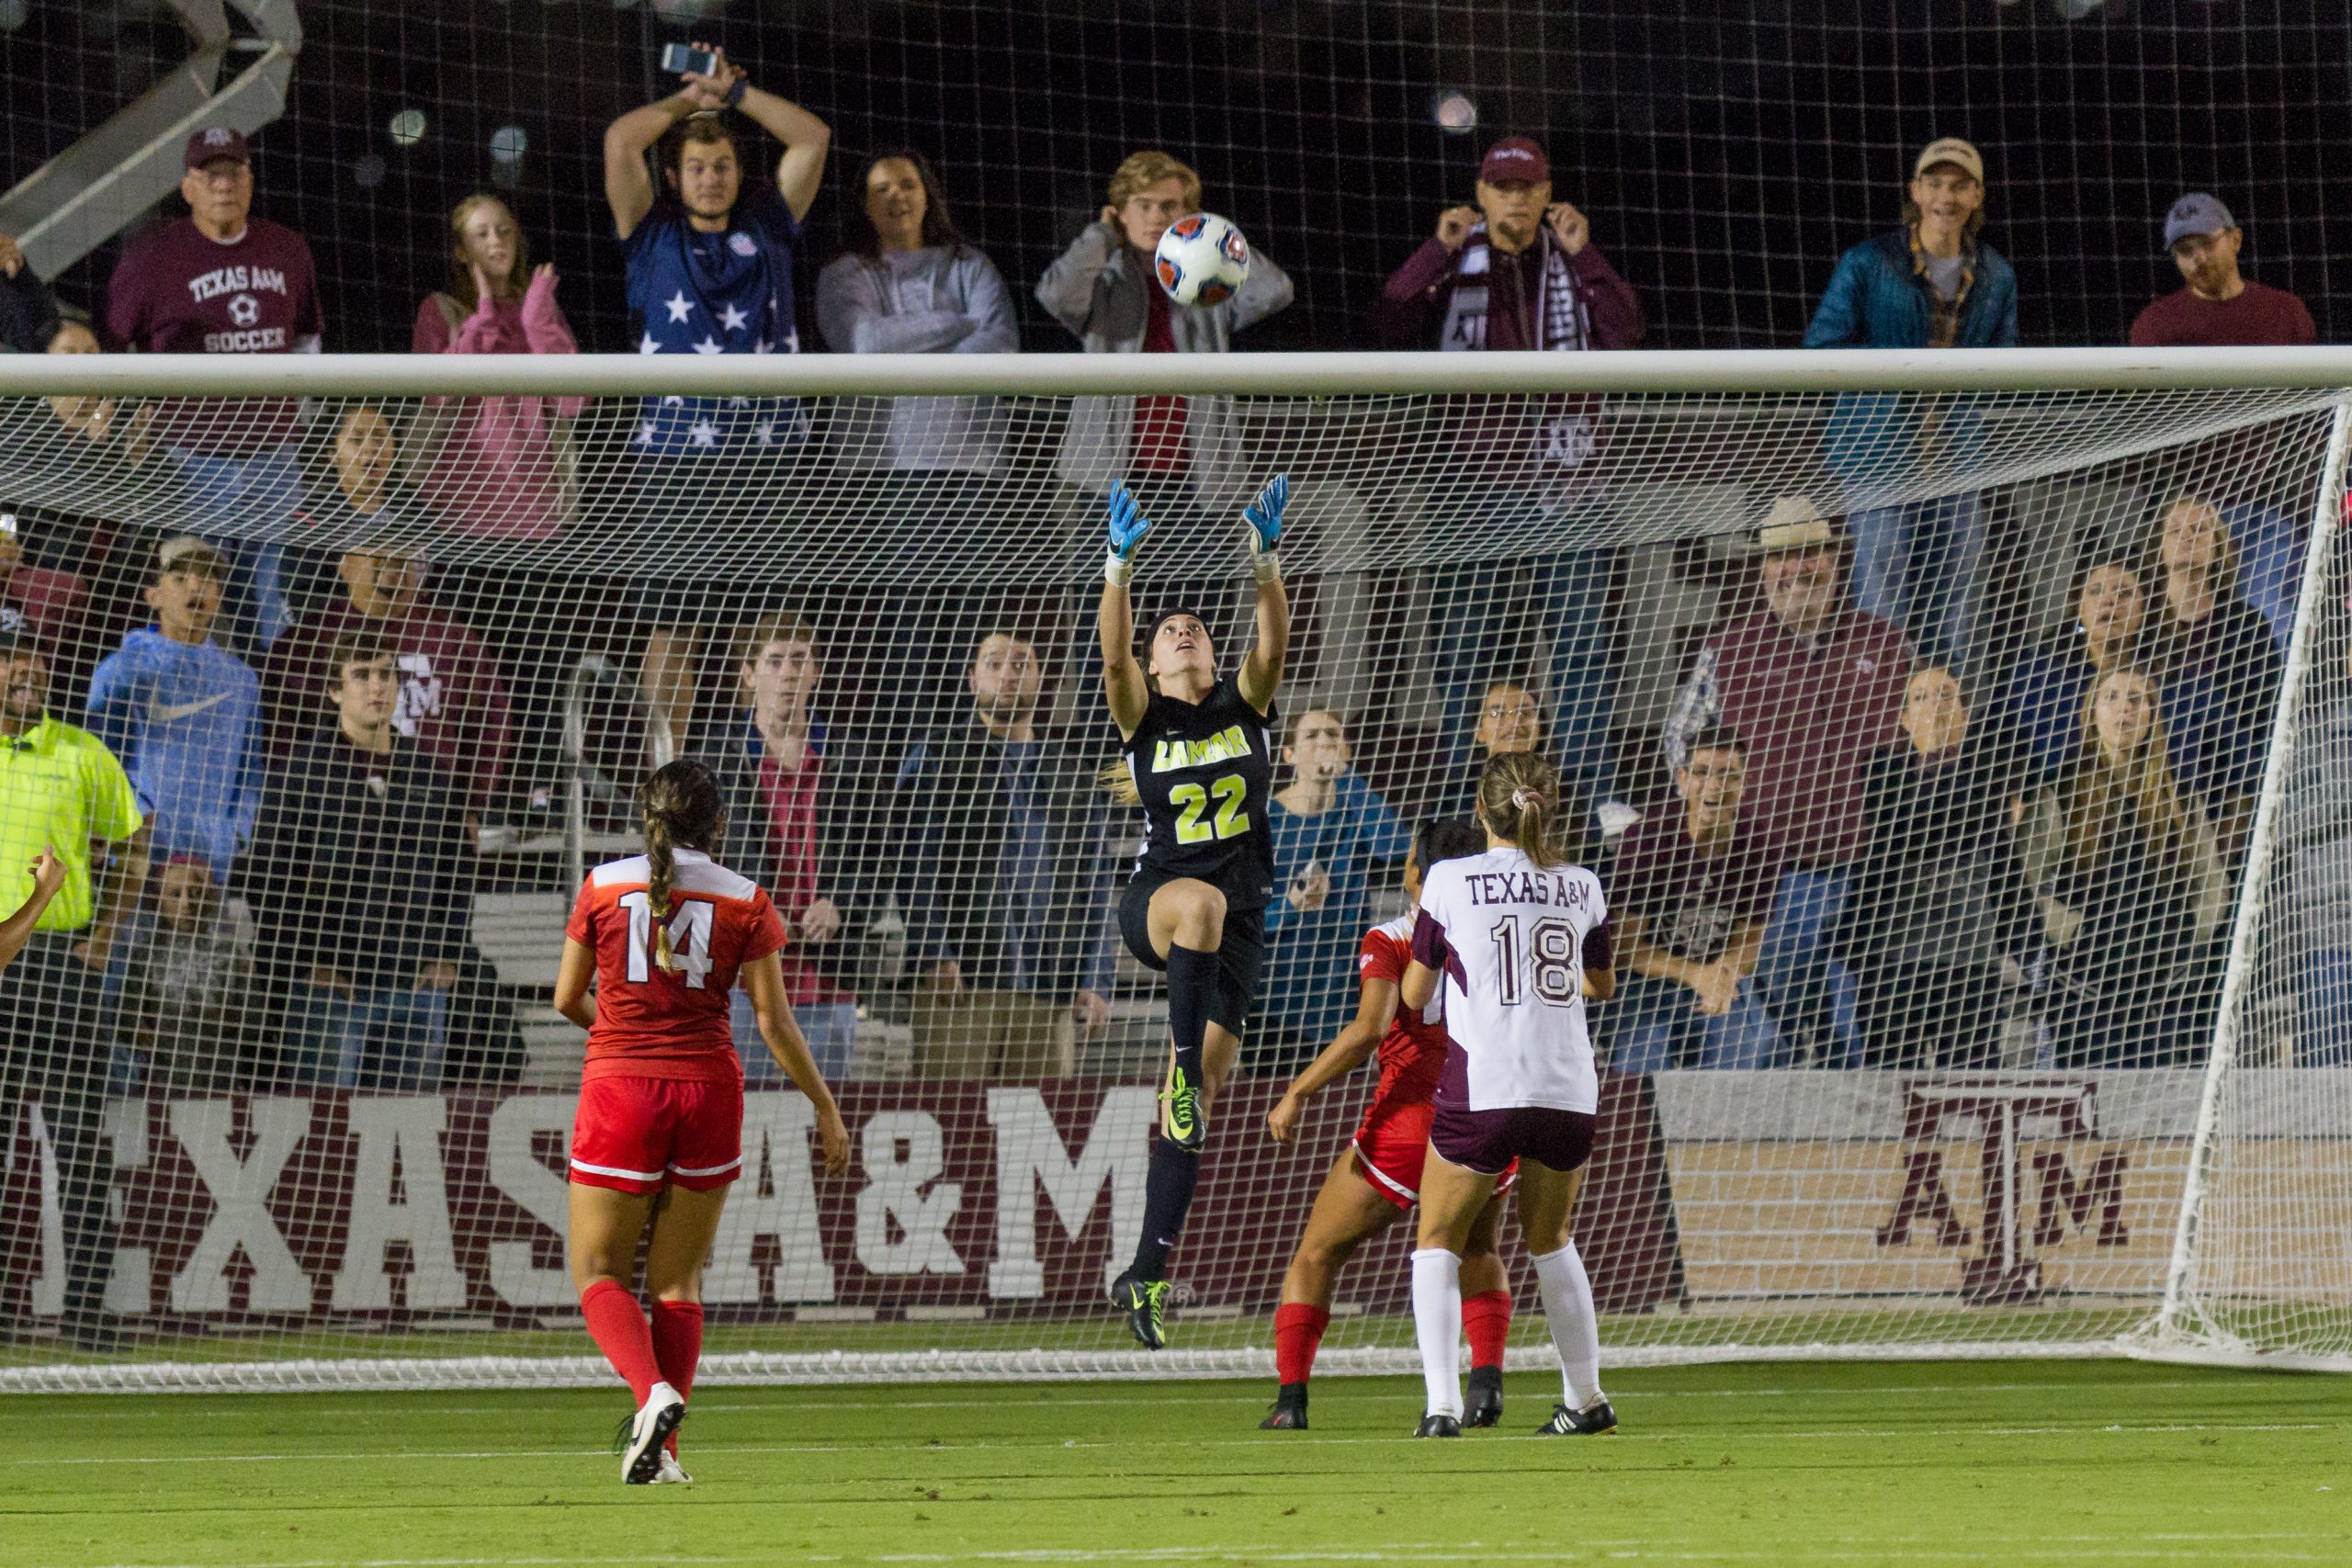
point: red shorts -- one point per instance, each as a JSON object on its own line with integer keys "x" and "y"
{"x": 1389, "y": 1146}
{"x": 637, "y": 1135}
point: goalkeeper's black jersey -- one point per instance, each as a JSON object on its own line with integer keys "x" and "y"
{"x": 1204, "y": 771}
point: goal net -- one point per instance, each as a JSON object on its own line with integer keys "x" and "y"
{"x": 1967, "y": 768}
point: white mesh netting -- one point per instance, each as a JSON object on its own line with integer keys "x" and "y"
{"x": 1929, "y": 853}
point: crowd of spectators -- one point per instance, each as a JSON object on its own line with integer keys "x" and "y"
{"x": 269, "y": 742}
{"x": 1870, "y": 837}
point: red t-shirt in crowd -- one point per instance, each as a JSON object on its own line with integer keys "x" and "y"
{"x": 1412, "y": 1053}
{"x": 653, "y": 1022}
{"x": 177, "y": 290}
{"x": 2261, "y": 316}
{"x": 1160, "y": 421}
{"x": 791, "y": 797}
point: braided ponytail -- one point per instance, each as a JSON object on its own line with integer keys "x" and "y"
{"x": 679, "y": 806}
{"x": 1520, "y": 794}
{"x": 660, "y": 865}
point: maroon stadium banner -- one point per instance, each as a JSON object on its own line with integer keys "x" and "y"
{"x": 962, "y": 1200}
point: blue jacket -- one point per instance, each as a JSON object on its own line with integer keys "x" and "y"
{"x": 1310, "y": 987}
{"x": 1876, "y": 300}
{"x": 182, "y": 721}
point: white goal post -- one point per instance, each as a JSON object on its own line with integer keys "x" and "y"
{"x": 1964, "y": 739}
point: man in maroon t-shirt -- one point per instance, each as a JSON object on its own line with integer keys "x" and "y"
{"x": 1812, "y": 686}
{"x": 2220, "y": 307}
{"x": 1689, "y": 897}
{"x": 451, "y": 701}
{"x": 222, "y": 281}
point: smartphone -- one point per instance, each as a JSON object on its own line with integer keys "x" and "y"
{"x": 678, "y": 59}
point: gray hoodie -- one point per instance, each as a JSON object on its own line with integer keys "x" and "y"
{"x": 939, "y": 300}
{"x": 1097, "y": 289}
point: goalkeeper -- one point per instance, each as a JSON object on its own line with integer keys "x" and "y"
{"x": 1199, "y": 759}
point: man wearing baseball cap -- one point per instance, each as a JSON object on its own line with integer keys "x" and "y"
{"x": 1814, "y": 687}
{"x": 222, "y": 281}
{"x": 1519, "y": 271}
{"x": 1933, "y": 283}
{"x": 2219, "y": 307}
{"x": 182, "y": 712}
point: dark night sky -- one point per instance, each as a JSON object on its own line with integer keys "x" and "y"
{"x": 1726, "y": 150}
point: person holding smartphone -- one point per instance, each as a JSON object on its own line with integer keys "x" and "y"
{"x": 710, "y": 271}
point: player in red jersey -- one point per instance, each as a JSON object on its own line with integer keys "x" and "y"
{"x": 660, "y": 1131}
{"x": 1378, "y": 1177}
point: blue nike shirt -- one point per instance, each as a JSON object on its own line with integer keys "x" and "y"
{"x": 725, "y": 293}
{"x": 182, "y": 722}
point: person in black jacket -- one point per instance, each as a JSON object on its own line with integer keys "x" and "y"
{"x": 2221, "y": 669}
{"x": 2132, "y": 892}
{"x": 28, "y": 315}
{"x": 1006, "y": 881}
{"x": 1940, "y": 913}
{"x": 803, "y": 821}
{"x": 362, "y": 879}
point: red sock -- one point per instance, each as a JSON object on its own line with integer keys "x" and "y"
{"x": 1485, "y": 1319}
{"x": 677, "y": 1345}
{"x": 621, "y": 1332}
{"x": 1299, "y": 1332}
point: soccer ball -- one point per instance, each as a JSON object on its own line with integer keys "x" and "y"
{"x": 1202, "y": 260}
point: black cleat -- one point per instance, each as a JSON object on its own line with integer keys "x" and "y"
{"x": 1484, "y": 1407}
{"x": 1289, "y": 1414}
{"x": 1438, "y": 1424}
{"x": 1146, "y": 1303}
{"x": 1597, "y": 1419}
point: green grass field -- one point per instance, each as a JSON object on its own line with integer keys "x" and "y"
{"x": 2018, "y": 1461}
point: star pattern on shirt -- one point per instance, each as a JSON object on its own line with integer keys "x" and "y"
{"x": 678, "y": 305}
{"x": 765, "y": 432}
{"x": 764, "y": 347}
{"x": 703, "y": 433}
{"x": 733, "y": 320}
{"x": 710, "y": 345}
{"x": 648, "y": 343}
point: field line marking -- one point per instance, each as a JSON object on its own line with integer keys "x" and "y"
{"x": 1829, "y": 1433}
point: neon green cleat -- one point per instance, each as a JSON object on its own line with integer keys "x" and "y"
{"x": 1146, "y": 1303}
{"x": 1181, "y": 1122}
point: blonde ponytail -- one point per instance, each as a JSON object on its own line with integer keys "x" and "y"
{"x": 1118, "y": 780}
{"x": 1520, "y": 794}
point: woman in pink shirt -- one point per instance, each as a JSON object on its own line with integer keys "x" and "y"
{"x": 491, "y": 465}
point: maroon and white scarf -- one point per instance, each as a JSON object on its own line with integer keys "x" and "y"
{"x": 1560, "y": 316}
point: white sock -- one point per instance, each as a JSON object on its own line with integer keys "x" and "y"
{"x": 1567, "y": 1308}
{"x": 1437, "y": 1323}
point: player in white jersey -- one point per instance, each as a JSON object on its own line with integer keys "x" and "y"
{"x": 1518, "y": 940}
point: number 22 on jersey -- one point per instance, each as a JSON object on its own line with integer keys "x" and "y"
{"x": 689, "y": 939}
{"x": 1191, "y": 800}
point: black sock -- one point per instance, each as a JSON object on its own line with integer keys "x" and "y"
{"x": 1166, "y": 1197}
{"x": 1192, "y": 976}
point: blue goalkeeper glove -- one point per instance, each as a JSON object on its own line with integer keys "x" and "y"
{"x": 1265, "y": 516}
{"x": 1128, "y": 526}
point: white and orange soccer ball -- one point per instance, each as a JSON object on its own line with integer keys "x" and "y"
{"x": 1202, "y": 260}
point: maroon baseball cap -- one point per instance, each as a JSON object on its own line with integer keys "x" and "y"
{"x": 1514, "y": 158}
{"x": 216, "y": 141}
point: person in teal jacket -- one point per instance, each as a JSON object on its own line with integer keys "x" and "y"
{"x": 1934, "y": 283}
{"x": 1331, "y": 829}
